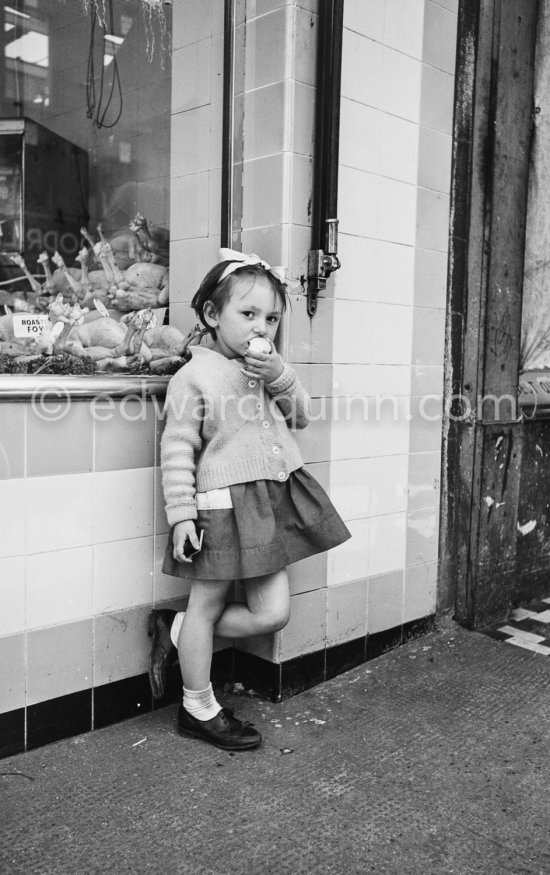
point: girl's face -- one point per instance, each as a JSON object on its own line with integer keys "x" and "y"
{"x": 253, "y": 310}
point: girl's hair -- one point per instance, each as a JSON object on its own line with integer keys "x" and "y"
{"x": 218, "y": 293}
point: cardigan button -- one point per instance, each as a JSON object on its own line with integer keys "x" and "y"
{"x": 252, "y": 384}
{"x": 265, "y": 423}
{"x": 281, "y": 475}
{"x": 276, "y": 450}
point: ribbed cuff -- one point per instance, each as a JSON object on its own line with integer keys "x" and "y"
{"x": 283, "y": 382}
{"x": 181, "y": 512}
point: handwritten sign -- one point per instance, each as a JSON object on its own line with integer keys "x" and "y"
{"x": 29, "y": 324}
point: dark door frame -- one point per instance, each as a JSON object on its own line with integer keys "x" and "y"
{"x": 482, "y": 431}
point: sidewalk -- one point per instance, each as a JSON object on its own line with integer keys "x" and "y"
{"x": 432, "y": 759}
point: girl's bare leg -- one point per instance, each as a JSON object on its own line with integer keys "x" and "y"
{"x": 267, "y": 608}
{"x": 206, "y": 604}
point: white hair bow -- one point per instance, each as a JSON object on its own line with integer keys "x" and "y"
{"x": 240, "y": 259}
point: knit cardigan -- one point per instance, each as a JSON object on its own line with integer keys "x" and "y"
{"x": 224, "y": 427}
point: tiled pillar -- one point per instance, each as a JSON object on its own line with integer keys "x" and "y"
{"x": 396, "y": 116}
{"x": 196, "y": 150}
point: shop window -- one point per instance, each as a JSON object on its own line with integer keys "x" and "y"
{"x": 84, "y": 178}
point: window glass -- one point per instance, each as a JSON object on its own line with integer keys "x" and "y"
{"x": 84, "y": 162}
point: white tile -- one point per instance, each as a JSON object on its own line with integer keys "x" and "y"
{"x": 59, "y": 587}
{"x": 397, "y": 212}
{"x": 520, "y": 634}
{"x": 365, "y": 17}
{"x": 304, "y": 42}
{"x": 393, "y": 333}
{"x": 306, "y": 630}
{"x": 427, "y": 380}
{"x": 349, "y": 561}
{"x": 192, "y": 221}
{"x": 123, "y": 504}
{"x": 189, "y": 263}
{"x": 350, "y": 487}
{"x": 543, "y": 617}
{"x": 370, "y": 427}
{"x": 12, "y": 517}
{"x": 529, "y": 645}
{"x": 358, "y": 202}
{"x": 360, "y": 379}
{"x": 123, "y": 574}
{"x": 388, "y": 485}
{"x": 420, "y": 594}
{"x": 522, "y": 614}
{"x": 265, "y": 200}
{"x": 437, "y": 102}
{"x": 434, "y": 167}
{"x": 353, "y": 332}
{"x": 385, "y": 602}
{"x": 191, "y": 76}
{"x": 399, "y": 148}
{"x": 12, "y": 595}
{"x": 361, "y": 136}
{"x": 401, "y": 85}
{"x": 422, "y": 536}
{"x": 189, "y": 145}
{"x": 404, "y": 26}
{"x": 440, "y": 29}
{"x": 374, "y": 270}
{"x": 387, "y": 543}
{"x": 58, "y": 512}
{"x": 301, "y": 186}
{"x": 362, "y": 74}
{"x": 263, "y": 135}
{"x": 303, "y": 124}
{"x": 430, "y": 278}
{"x": 433, "y": 219}
{"x": 266, "y": 49}
{"x": 428, "y": 336}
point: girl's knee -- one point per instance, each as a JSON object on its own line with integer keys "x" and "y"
{"x": 277, "y": 619}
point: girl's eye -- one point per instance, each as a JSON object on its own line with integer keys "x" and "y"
{"x": 274, "y": 318}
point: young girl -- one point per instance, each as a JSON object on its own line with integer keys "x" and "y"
{"x": 237, "y": 494}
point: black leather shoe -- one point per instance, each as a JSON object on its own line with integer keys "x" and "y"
{"x": 163, "y": 652}
{"x": 223, "y": 730}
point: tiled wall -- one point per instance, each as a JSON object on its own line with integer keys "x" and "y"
{"x": 395, "y": 140}
{"x": 196, "y": 150}
{"x": 82, "y": 537}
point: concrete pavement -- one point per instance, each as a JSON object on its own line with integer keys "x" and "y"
{"x": 434, "y": 758}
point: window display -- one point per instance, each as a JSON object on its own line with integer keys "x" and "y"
{"x": 84, "y": 187}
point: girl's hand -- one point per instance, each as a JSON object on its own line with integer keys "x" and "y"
{"x": 182, "y": 532}
{"x": 263, "y": 366}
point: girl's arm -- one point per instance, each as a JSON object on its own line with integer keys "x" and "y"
{"x": 179, "y": 448}
{"x": 291, "y": 397}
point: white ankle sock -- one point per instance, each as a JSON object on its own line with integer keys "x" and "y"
{"x": 176, "y": 626}
{"x": 201, "y": 704}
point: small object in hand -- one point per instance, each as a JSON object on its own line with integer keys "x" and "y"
{"x": 259, "y": 345}
{"x": 189, "y": 550}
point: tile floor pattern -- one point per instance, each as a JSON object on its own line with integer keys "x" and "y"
{"x": 528, "y": 627}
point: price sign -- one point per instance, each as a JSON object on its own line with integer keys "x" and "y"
{"x": 29, "y": 324}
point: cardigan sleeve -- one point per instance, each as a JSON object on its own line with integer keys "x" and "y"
{"x": 291, "y": 397}
{"x": 179, "y": 448}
